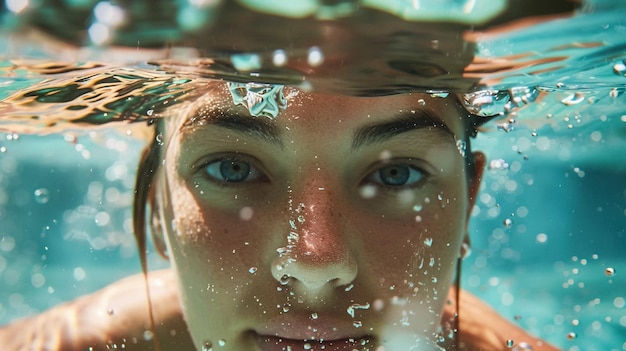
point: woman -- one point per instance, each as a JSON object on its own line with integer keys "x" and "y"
{"x": 294, "y": 221}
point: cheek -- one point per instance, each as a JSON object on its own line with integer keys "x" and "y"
{"x": 403, "y": 251}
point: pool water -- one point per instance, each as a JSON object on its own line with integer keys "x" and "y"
{"x": 548, "y": 231}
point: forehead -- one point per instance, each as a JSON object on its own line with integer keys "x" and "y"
{"x": 318, "y": 111}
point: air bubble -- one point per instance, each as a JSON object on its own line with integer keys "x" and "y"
{"x": 279, "y": 58}
{"x": 110, "y": 311}
{"x": 42, "y": 196}
{"x": 357, "y": 324}
{"x": 307, "y": 346}
{"x": 573, "y": 99}
{"x": 246, "y": 213}
{"x": 148, "y": 335}
{"x": 523, "y": 346}
{"x": 508, "y": 223}
{"x": 620, "y": 68}
{"x": 286, "y": 307}
{"x": 221, "y": 342}
{"x": 510, "y": 343}
{"x": 368, "y": 191}
{"x": 207, "y": 346}
{"x": 315, "y": 57}
{"x": 609, "y": 271}
{"x": 70, "y": 138}
{"x": 421, "y": 102}
{"x": 428, "y": 242}
{"x": 3, "y": 149}
{"x": 571, "y": 336}
{"x": 246, "y": 62}
{"x": 314, "y": 316}
{"x": 285, "y": 279}
{"x": 252, "y": 270}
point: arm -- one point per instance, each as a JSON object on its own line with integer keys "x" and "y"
{"x": 482, "y": 328}
{"x": 116, "y": 315}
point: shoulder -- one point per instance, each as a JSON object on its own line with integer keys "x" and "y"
{"x": 482, "y": 328}
{"x": 114, "y": 317}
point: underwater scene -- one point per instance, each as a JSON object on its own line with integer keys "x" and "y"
{"x": 91, "y": 89}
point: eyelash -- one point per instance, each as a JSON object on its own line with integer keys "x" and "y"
{"x": 209, "y": 168}
{"x": 375, "y": 177}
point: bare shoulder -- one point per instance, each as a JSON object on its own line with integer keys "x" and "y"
{"x": 482, "y": 328}
{"x": 114, "y": 317}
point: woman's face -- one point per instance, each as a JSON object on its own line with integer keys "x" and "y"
{"x": 335, "y": 226}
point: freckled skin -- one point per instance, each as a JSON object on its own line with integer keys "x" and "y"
{"x": 375, "y": 244}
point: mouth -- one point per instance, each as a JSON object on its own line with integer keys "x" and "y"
{"x": 277, "y": 343}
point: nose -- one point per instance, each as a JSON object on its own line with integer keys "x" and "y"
{"x": 316, "y": 255}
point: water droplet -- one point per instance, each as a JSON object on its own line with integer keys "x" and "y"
{"x": 506, "y": 127}
{"x": 508, "y": 223}
{"x": 314, "y": 316}
{"x": 368, "y": 191}
{"x": 428, "y": 242}
{"x": 620, "y": 68}
{"x": 356, "y": 306}
{"x": 315, "y": 57}
{"x": 207, "y": 346}
{"x": 246, "y": 62}
{"x": 279, "y": 58}
{"x": 349, "y": 287}
{"x": 307, "y": 346}
{"x": 523, "y": 346}
{"x": 534, "y": 134}
{"x": 417, "y": 208}
{"x": 221, "y": 342}
{"x": 246, "y": 213}
{"x": 70, "y": 138}
{"x": 573, "y": 99}
{"x": 609, "y": 271}
{"x": 357, "y": 324}
{"x": 421, "y": 102}
{"x": 3, "y": 149}
{"x": 252, "y": 270}
{"x": 571, "y": 336}
{"x": 285, "y": 279}
{"x": 432, "y": 262}
{"x": 148, "y": 335}
{"x": 286, "y": 307}
{"x": 510, "y": 343}
{"x": 42, "y": 196}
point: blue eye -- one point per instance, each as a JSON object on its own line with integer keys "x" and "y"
{"x": 397, "y": 175}
{"x": 231, "y": 170}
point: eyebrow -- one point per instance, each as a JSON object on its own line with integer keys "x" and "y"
{"x": 404, "y": 121}
{"x": 257, "y": 127}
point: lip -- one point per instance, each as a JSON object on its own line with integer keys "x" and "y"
{"x": 300, "y": 332}
{"x": 275, "y": 343}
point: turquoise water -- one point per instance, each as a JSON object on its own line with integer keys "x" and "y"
{"x": 549, "y": 229}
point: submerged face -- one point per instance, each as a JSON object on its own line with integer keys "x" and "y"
{"x": 335, "y": 226}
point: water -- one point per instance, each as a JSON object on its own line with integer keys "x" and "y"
{"x": 548, "y": 231}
